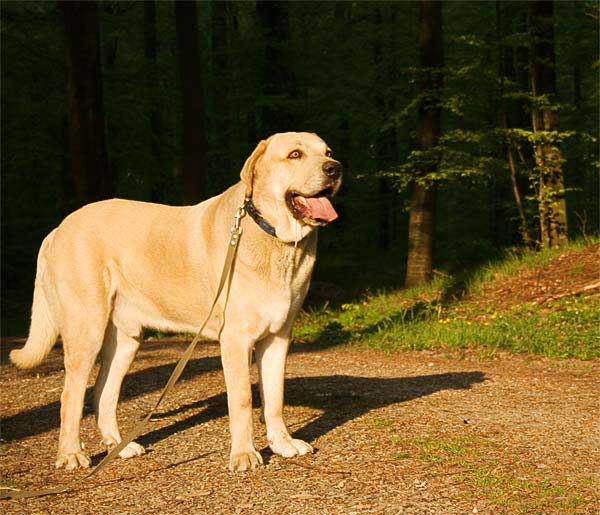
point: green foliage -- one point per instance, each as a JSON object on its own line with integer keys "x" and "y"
{"x": 482, "y": 77}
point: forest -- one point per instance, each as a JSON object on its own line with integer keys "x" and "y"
{"x": 447, "y": 357}
{"x": 465, "y": 128}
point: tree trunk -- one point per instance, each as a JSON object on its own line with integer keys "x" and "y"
{"x": 194, "y": 144}
{"x": 343, "y": 15}
{"x": 421, "y": 226}
{"x": 277, "y": 79}
{"x": 575, "y": 7}
{"x": 68, "y": 186}
{"x": 421, "y": 233}
{"x": 517, "y": 196}
{"x": 151, "y": 76}
{"x": 222, "y": 80}
{"x": 507, "y": 145}
{"x": 552, "y": 203}
{"x": 385, "y": 141}
{"x": 88, "y": 162}
{"x": 163, "y": 179}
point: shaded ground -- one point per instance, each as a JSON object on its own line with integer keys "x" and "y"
{"x": 410, "y": 433}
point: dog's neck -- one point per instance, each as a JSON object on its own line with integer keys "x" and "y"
{"x": 276, "y": 222}
{"x": 259, "y": 254}
{"x": 276, "y": 259}
{"x": 253, "y": 213}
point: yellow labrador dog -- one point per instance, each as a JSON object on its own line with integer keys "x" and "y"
{"x": 116, "y": 266}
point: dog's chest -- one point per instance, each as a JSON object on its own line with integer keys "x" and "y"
{"x": 283, "y": 264}
{"x": 278, "y": 275}
{"x": 289, "y": 275}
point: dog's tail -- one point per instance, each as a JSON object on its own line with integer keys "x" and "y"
{"x": 43, "y": 331}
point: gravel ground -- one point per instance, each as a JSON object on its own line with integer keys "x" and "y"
{"x": 401, "y": 433}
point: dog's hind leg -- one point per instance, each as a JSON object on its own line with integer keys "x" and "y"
{"x": 82, "y": 340}
{"x": 118, "y": 352}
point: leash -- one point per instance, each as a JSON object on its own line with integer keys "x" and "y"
{"x": 232, "y": 246}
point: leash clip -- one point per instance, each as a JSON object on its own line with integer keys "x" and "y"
{"x": 236, "y": 229}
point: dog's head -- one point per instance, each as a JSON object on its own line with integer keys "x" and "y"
{"x": 292, "y": 176}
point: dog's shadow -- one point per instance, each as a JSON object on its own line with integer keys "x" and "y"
{"x": 46, "y": 417}
{"x": 338, "y": 399}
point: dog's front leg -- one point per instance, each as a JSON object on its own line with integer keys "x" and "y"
{"x": 236, "y": 358}
{"x": 271, "y": 354}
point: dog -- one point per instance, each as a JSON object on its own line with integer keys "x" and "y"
{"x": 114, "y": 267}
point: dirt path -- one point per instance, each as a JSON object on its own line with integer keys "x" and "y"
{"x": 405, "y": 433}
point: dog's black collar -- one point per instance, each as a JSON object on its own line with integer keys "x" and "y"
{"x": 257, "y": 217}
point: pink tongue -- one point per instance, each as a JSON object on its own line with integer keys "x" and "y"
{"x": 317, "y": 208}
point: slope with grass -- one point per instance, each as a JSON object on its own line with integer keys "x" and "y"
{"x": 545, "y": 303}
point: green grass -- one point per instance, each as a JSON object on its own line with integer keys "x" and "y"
{"x": 7, "y": 482}
{"x": 570, "y": 329}
{"x": 420, "y": 318}
{"x": 502, "y": 479}
{"x": 381, "y": 423}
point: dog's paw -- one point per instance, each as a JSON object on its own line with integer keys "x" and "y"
{"x": 288, "y": 447}
{"x": 72, "y": 460}
{"x": 242, "y": 461}
{"x": 131, "y": 450}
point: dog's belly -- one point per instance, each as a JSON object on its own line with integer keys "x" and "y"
{"x": 130, "y": 316}
{"x": 166, "y": 308}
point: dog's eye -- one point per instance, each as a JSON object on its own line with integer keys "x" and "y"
{"x": 296, "y": 154}
{"x": 328, "y": 153}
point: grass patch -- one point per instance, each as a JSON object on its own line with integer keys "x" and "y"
{"x": 570, "y": 329}
{"x": 424, "y": 318}
{"x": 495, "y": 475}
{"x": 381, "y": 423}
{"x": 7, "y": 481}
{"x": 523, "y": 495}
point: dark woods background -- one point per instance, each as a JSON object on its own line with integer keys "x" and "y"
{"x": 464, "y": 128}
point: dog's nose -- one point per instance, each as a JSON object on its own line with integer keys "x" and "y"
{"x": 332, "y": 169}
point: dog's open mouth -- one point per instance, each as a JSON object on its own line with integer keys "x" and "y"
{"x": 315, "y": 209}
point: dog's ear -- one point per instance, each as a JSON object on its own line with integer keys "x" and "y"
{"x": 247, "y": 173}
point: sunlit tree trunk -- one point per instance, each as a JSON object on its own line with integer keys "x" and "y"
{"x": 552, "y": 203}
{"x": 421, "y": 226}
{"x": 87, "y": 157}
{"x": 194, "y": 144}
